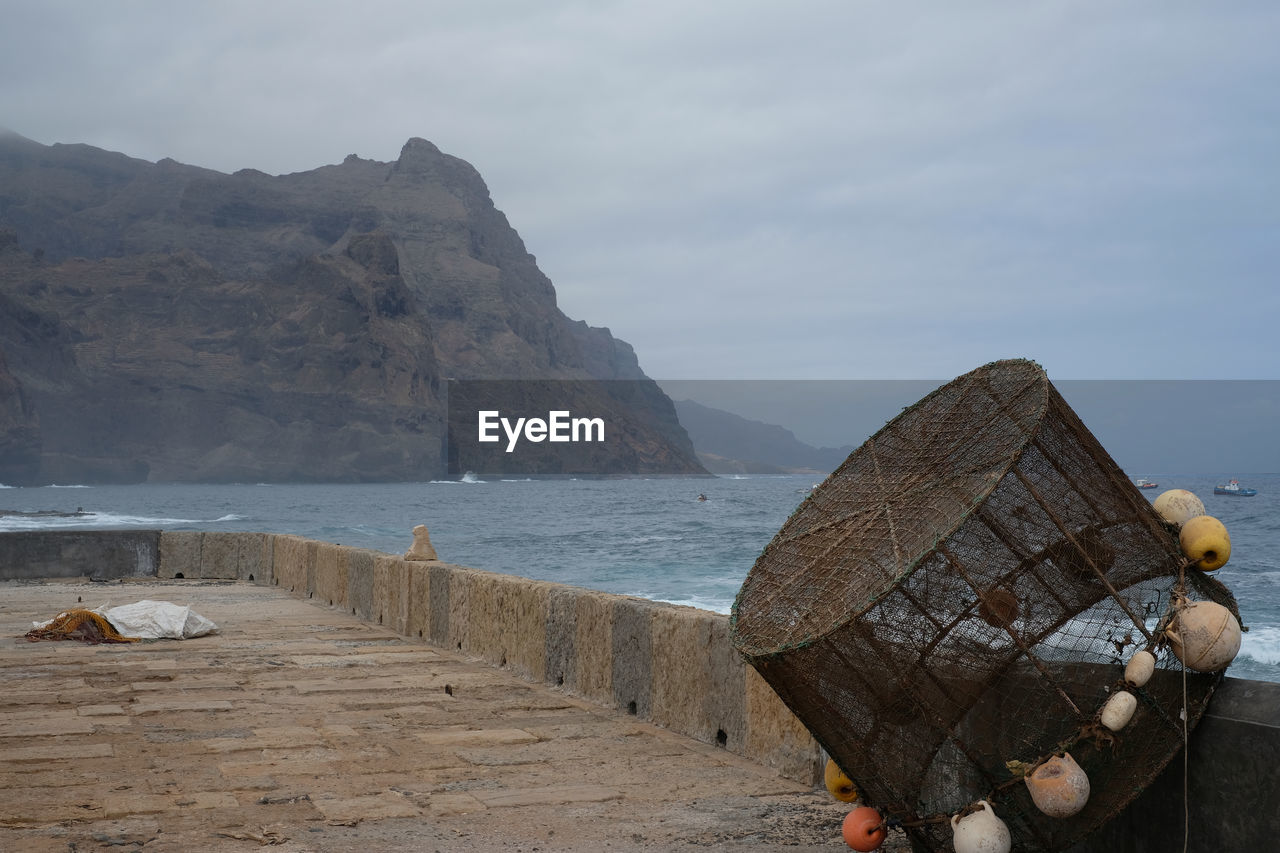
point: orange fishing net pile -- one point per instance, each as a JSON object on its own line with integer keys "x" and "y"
{"x": 79, "y": 624}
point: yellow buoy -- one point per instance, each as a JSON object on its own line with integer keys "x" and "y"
{"x": 840, "y": 785}
{"x": 1205, "y": 540}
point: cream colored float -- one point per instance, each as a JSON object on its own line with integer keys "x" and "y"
{"x": 1177, "y": 506}
{"x": 980, "y": 832}
{"x": 1205, "y": 636}
{"x": 1119, "y": 709}
{"x": 1140, "y": 668}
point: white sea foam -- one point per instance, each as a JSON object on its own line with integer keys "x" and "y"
{"x": 229, "y": 517}
{"x": 642, "y": 540}
{"x": 9, "y": 523}
{"x": 715, "y": 605}
{"x": 1261, "y": 645}
{"x": 70, "y": 486}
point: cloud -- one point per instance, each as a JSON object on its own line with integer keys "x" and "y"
{"x": 759, "y": 190}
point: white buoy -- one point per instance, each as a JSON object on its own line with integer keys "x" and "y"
{"x": 1205, "y": 636}
{"x": 1140, "y": 668}
{"x": 980, "y": 832}
{"x": 1176, "y": 506}
{"x": 1119, "y": 709}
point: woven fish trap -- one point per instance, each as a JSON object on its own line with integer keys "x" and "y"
{"x": 964, "y": 592}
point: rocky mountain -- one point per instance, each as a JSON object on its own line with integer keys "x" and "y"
{"x": 163, "y": 322}
{"x": 731, "y": 444}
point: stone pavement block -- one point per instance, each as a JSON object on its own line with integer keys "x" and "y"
{"x": 481, "y": 737}
{"x": 278, "y": 767}
{"x": 185, "y": 685}
{"x": 49, "y": 725}
{"x": 554, "y": 795}
{"x": 123, "y": 805}
{"x": 40, "y": 805}
{"x": 271, "y": 738}
{"x": 376, "y": 807}
{"x": 442, "y": 805}
{"x": 55, "y": 751}
{"x": 168, "y": 706}
{"x": 359, "y": 683}
{"x": 336, "y": 732}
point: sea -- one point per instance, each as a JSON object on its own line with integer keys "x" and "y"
{"x": 652, "y": 538}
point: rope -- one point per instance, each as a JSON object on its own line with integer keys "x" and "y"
{"x": 79, "y": 624}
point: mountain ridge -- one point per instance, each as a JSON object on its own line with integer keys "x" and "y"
{"x": 728, "y": 443}
{"x": 168, "y": 322}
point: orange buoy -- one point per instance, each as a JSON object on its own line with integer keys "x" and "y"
{"x": 862, "y": 829}
{"x": 1058, "y": 786}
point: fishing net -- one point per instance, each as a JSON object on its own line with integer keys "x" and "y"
{"x": 79, "y": 624}
{"x": 958, "y": 599}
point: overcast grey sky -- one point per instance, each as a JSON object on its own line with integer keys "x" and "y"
{"x": 762, "y": 190}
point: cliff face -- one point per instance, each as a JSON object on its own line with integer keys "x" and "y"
{"x": 169, "y": 323}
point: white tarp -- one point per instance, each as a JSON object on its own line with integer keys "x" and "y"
{"x": 158, "y": 619}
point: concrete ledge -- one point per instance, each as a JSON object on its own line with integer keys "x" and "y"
{"x": 289, "y": 556}
{"x": 95, "y": 554}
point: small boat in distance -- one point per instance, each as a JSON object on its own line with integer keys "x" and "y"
{"x": 1233, "y": 488}
{"x": 1143, "y": 483}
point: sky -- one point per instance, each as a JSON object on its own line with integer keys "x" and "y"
{"x": 761, "y": 190}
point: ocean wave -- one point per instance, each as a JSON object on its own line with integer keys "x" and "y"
{"x": 467, "y": 478}
{"x": 11, "y": 523}
{"x": 715, "y": 605}
{"x": 1261, "y": 645}
{"x": 3, "y": 486}
{"x": 88, "y": 519}
{"x": 645, "y": 539}
{"x": 70, "y": 486}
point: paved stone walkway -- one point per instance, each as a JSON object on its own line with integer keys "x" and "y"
{"x": 301, "y": 728}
